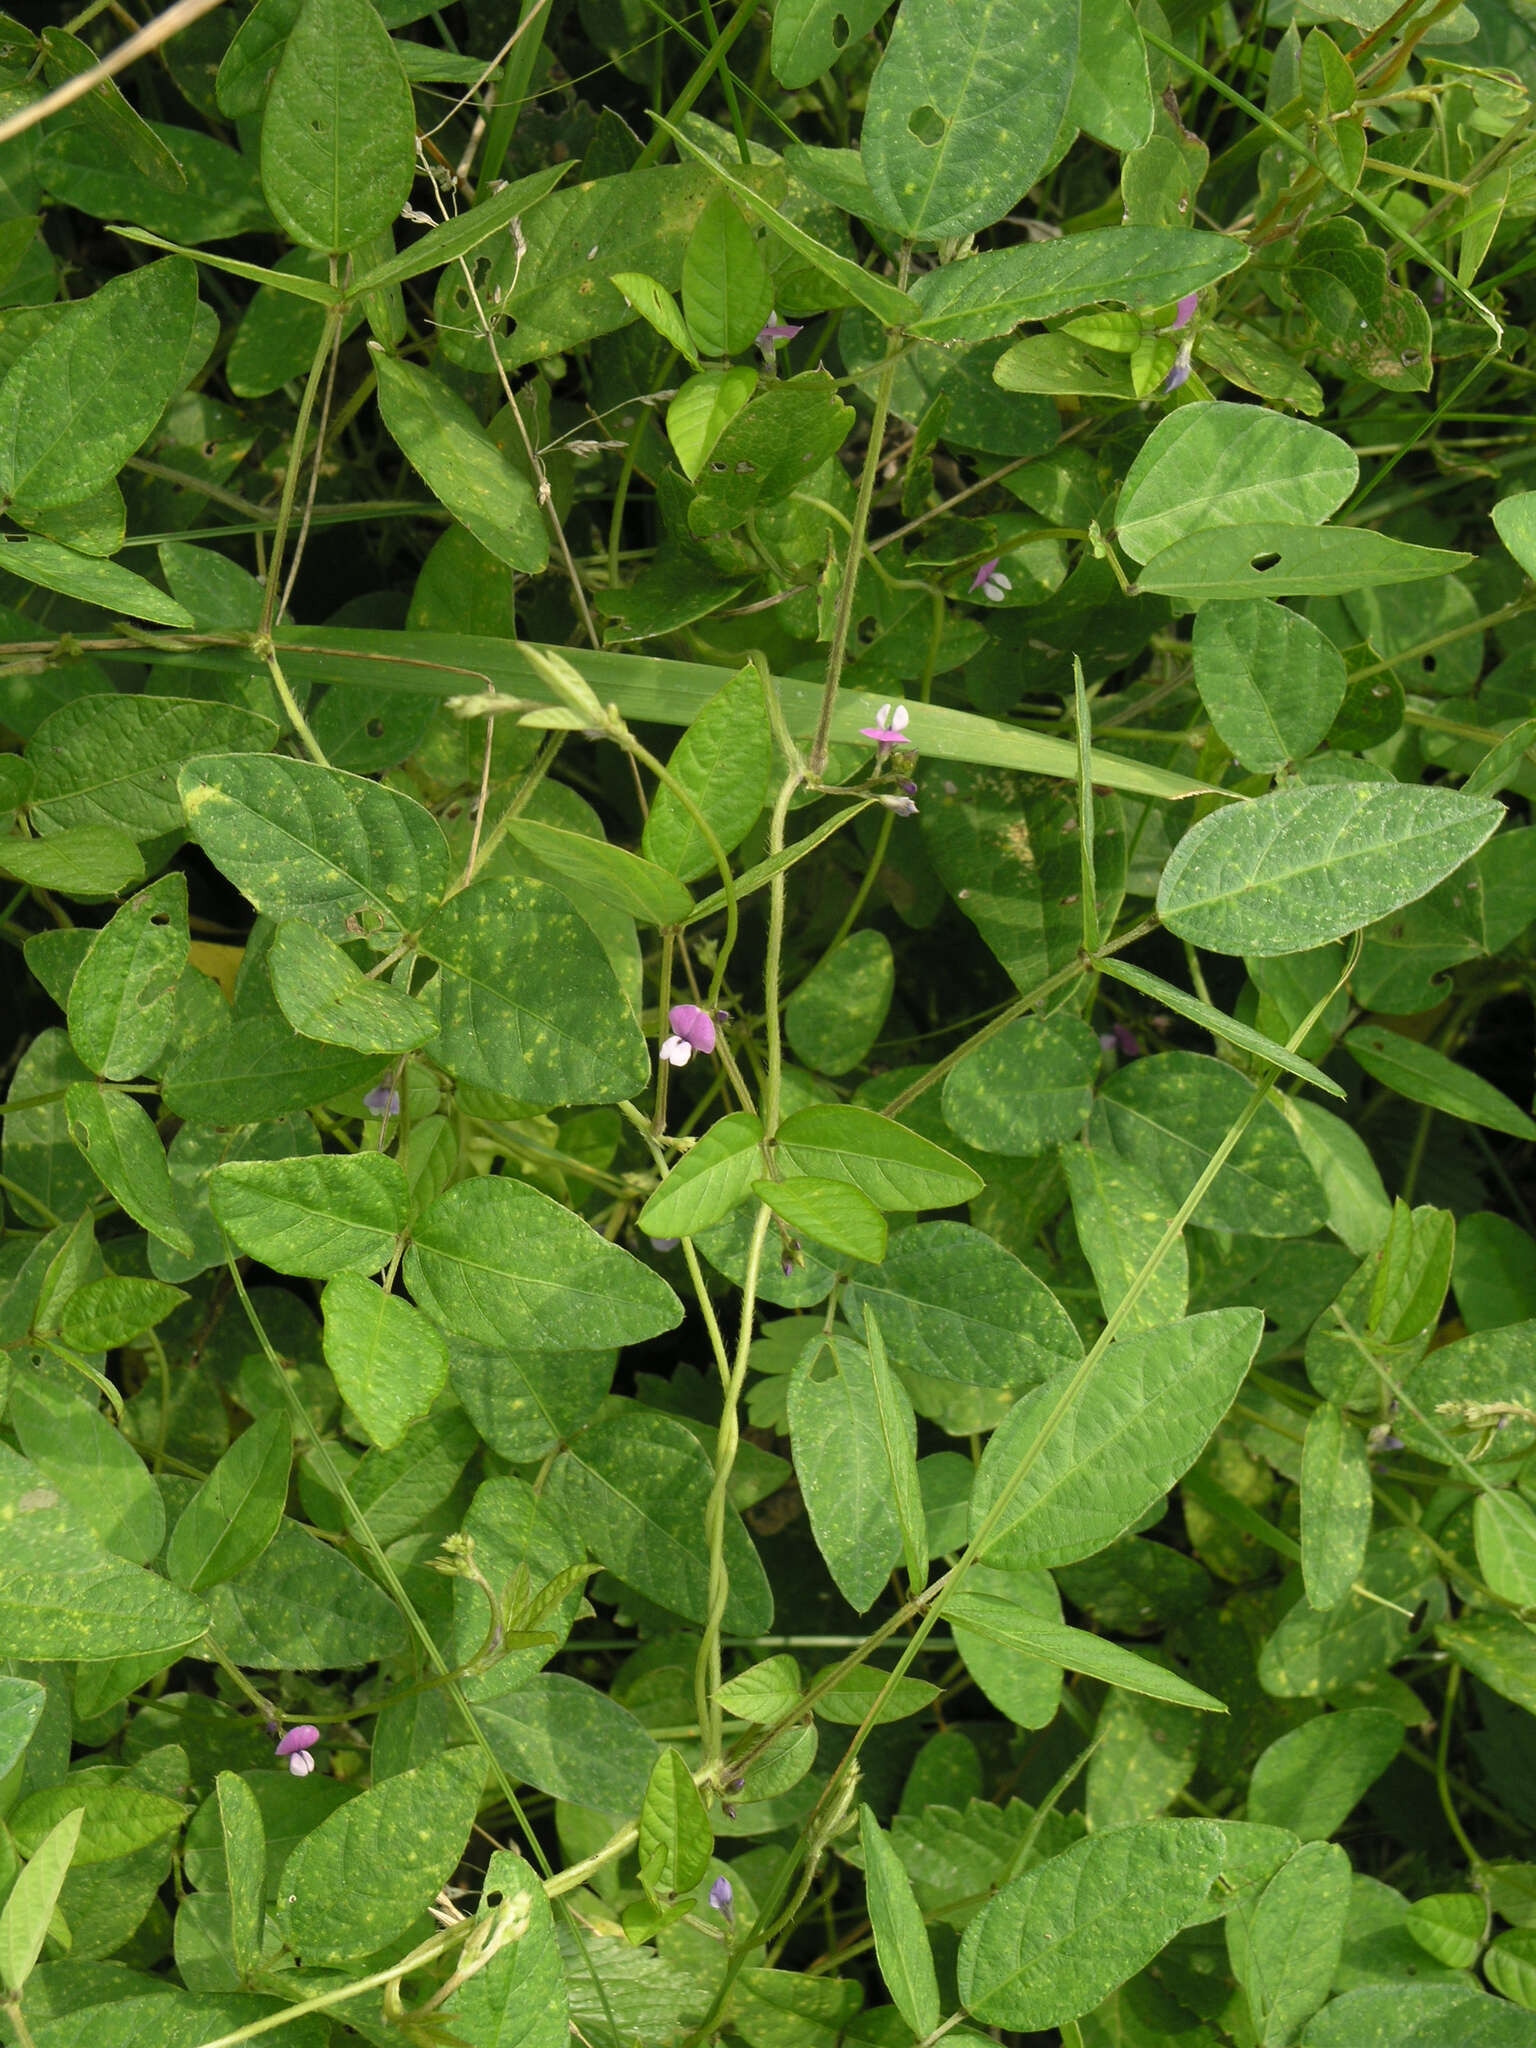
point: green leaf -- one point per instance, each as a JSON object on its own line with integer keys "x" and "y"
{"x": 1166, "y": 1117}
{"x": 340, "y": 1213}
{"x": 763, "y": 1691}
{"x": 1285, "y": 1945}
{"x": 1496, "y": 1649}
{"x": 388, "y": 1360}
{"x": 93, "y": 581}
{"x": 709, "y": 1181}
{"x": 1510, "y": 1966}
{"x": 502, "y": 1264}
{"x": 1514, "y": 521}
{"x": 1269, "y": 559}
{"x": 1504, "y": 1531}
{"x": 325, "y": 996}
{"x": 1270, "y": 679}
{"x": 634, "y": 1488}
{"x": 605, "y": 874}
{"x": 119, "y": 1818}
{"x": 1220, "y": 465}
{"x": 122, "y": 1002}
{"x": 256, "y": 1068}
{"x": 461, "y": 235}
{"x": 1073, "y": 1649}
{"x": 778, "y": 441}
{"x": 723, "y": 761}
{"x": 529, "y": 1006}
{"x": 98, "y": 1472}
{"x": 1111, "y": 91}
{"x": 1495, "y": 1271}
{"x": 83, "y": 398}
{"x": 849, "y": 1703}
{"x": 237, "y": 1510}
{"x": 830, "y": 1212}
{"x": 125, "y": 1152}
{"x": 1305, "y": 865}
{"x": 245, "y": 1859}
{"x": 676, "y": 1841}
{"x": 1054, "y": 1942}
{"x": 303, "y": 1607}
{"x": 898, "y": 1435}
{"x": 22, "y": 1701}
{"x": 1145, "y": 1752}
{"x": 113, "y": 760}
{"x": 105, "y": 109}
{"x": 29, "y": 1910}
{"x": 1128, "y": 1432}
{"x": 455, "y": 457}
{"x": 1424, "y": 1075}
{"x": 299, "y": 840}
{"x": 839, "y": 1010}
{"x": 990, "y": 294}
{"x": 1312, "y": 1779}
{"x": 843, "y": 1468}
{"x": 1027, "y": 1089}
{"x": 727, "y": 292}
{"x": 518, "y": 2000}
{"x": 1120, "y": 1216}
{"x": 1335, "y": 1506}
{"x": 955, "y": 1305}
{"x": 1311, "y": 1654}
{"x": 704, "y": 407}
{"x": 656, "y": 305}
{"x": 363, "y": 1876}
{"x": 1450, "y": 1926}
{"x": 964, "y": 110}
{"x": 901, "y": 1940}
{"x": 570, "y": 1740}
{"x": 892, "y": 1165}
{"x": 64, "y": 1594}
{"x": 338, "y": 137}
{"x": 83, "y": 860}
{"x": 1218, "y": 1023}
{"x": 808, "y": 38}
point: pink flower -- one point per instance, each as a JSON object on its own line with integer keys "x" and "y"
{"x": 1185, "y": 310}
{"x": 891, "y": 731}
{"x": 1179, "y": 374}
{"x": 992, "y": 585}
{"x": 723, "y": 1899}
{"x": 296, "y": 1745}
{"x": 693, "y": 1031}
{"x": 769, "y": 337}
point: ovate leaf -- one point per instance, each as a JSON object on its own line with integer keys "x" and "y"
{"x": 459, "y": 462}
{"x": 237, "y": 1510}
{"x": 1302, "y": 866}
{"x": 723, "y": 762}
{"x": 339, "y": 1213}
{"x": 387, "y": 1358}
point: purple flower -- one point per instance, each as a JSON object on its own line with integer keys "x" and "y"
{"x": 1179, "y": 374}
{"x": 382, "y": 1101}
{"x": 1185, "y": 310}
{"x": 296, "y": 1745}
{"x": 693, "y": 1031}
{"x": 1122, "y": 1039}
{"x": 903, "y": 806}
{"x": 722, "y": 1898}
{"x": 989, "y": 580}
{"x": 890, "y": 730}
{"x": 769, "y": 337}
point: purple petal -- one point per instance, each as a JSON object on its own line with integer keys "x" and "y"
{"x": 298, "y": 1738}
{"x": 775, "y": 332}
{"x": 985, "y": 573}
{"x": 1185, "y": 311}
{"x": 694, "y": 1025}
{"x": 1179, "y": 374}
{"x": 723, "y": 1899}
{"x": 382, "y": 1101}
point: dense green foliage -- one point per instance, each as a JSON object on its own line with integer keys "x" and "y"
{"x": 767, "y": 1265}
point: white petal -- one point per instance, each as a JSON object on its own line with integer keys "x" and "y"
{"x": 1003, "y": 582}
{"x": 885, "y": 715}
{"x": 677, "y": 1052}
{"x": 899, "y": 718}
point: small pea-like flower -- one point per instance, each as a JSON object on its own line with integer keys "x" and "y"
{"x": 1179, "y": 374}
{"x": 991, "y": 582}
{"x": 382, "y": 1101}
{"x": 723, "y": 1899}
{"x": 1184, "y": 312}
{"x": 1122, "y": 1039}
{"x": 296, "y": 1745}
{"x": 769, "y": 337}
{"x": 890, "y": 729}
{"x": 903, "y": 806}
{"x": 693, "y": 1030}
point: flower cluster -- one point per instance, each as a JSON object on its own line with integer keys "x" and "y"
{"x": 296, "y": 1745}
{"x": 693, "y": 1030}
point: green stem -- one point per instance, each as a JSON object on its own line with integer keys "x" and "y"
{"x": 703, "y": 71}
{"x": 291, "y": 477}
